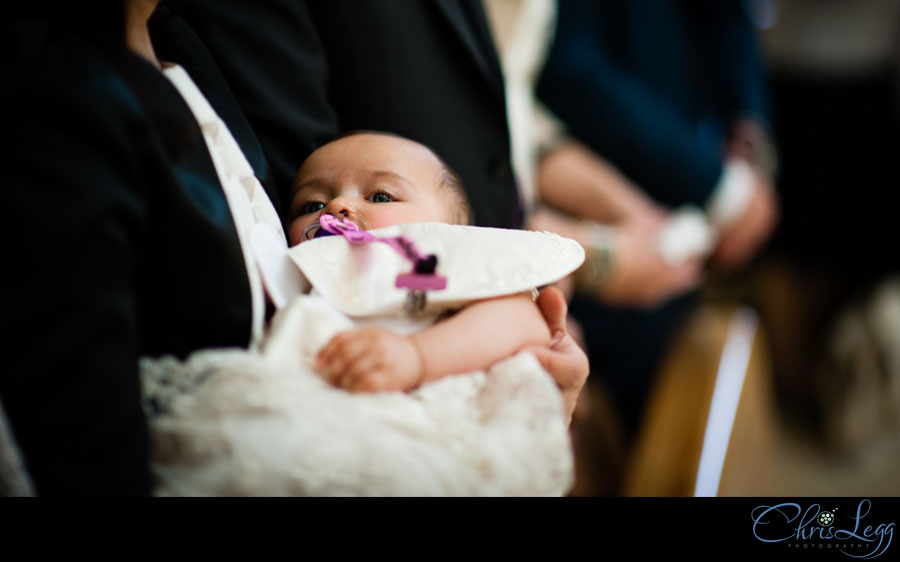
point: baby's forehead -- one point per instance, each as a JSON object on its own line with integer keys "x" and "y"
{"x": 385, "y": 145}
{"x": 376, "y": 152}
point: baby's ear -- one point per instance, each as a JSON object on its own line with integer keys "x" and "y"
{"x": 464, "y": 216}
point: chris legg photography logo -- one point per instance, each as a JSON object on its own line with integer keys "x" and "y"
{"x": 823, "y": 528}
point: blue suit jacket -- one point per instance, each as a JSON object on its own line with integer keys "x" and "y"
{"x": 651, "y": 85}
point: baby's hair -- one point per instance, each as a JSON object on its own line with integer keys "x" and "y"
{"x": 454, "y": 183}
{"x": 450, "y": 180}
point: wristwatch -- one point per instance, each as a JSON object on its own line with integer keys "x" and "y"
{"x": 599, "y": 259}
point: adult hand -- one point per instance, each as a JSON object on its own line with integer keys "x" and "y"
{"x": 739, "y": 241}
{"x": 748, "y": 139}
{"x": 640, "y": 275}
{"x": 562, "y": 358}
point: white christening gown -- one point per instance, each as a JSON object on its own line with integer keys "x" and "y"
{"x": 262, "y": 422}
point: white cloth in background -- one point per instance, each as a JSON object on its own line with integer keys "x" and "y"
{"x": 523, "y": 31}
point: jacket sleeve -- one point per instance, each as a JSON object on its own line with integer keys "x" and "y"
{"x": 72, "y": 224}
{"x": 738, "y": 62}
{"x": 622, "y": 119}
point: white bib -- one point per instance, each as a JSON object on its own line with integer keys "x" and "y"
{"x": 478, "y": 263}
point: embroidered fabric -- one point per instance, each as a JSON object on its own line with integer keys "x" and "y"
{"x": 232, "y": 422}
{"x": 478, "y": 263}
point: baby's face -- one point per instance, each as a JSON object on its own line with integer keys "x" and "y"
{"x": 371, "y": 180}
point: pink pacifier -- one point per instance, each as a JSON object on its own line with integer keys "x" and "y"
{"x": 422, "y": 278}
{"x": 314, "y": 229}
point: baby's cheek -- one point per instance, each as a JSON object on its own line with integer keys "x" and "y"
{"x": 295, "y": 231}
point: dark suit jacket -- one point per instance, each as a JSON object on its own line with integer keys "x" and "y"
{"x": 424, "y": 69}
{"x": 122, "y": 245}
{"x": 651, "y": 85}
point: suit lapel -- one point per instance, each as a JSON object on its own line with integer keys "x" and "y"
{"x": 174, "y": 40}
{"x": 468, "y": 21}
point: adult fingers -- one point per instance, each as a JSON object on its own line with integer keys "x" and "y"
{"x": 565, "y": 361}
{"x": 553, "y": 307}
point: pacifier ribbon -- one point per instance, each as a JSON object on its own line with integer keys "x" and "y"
{"x": 421, "y": 279}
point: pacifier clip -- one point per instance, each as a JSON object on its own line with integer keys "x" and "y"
{"x": 421, "y": 279}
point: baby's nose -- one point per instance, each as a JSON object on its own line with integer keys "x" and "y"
{"x": 340, "y": 208}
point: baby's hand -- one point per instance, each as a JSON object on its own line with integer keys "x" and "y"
{"x": 371, "y": 360}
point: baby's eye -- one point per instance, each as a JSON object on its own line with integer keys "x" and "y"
{"x": 381, "y": 197}
{"x": 311, "y": 207}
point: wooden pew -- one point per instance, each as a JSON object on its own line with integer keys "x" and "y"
{"x": 689, "y": 442}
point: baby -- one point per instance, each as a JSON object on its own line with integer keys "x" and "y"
{"x": 264, "y": 422}
{"x": 376, "y": 180}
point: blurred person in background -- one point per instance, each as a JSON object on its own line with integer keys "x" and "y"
{"x": 673, "y": 95}
{"x": 569, "y": 189}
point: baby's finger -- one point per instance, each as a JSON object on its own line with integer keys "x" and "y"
{"x": 371, "y": 380}
{"x": 344, "y": 356}
{"x": 328, "y": 351}
{"x": 354, "y": 372}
